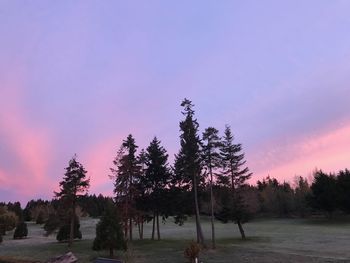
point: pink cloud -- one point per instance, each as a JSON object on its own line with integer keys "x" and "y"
{"x": 27, "y": 141}
{"x": 328, "y": 151}
{"x": 98, "y": 161}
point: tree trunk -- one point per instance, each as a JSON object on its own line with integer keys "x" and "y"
{"x": 241, "y": 229}
{"x": 130, "y": 228}
{"x": 200, "y": 237}
{"x": 142, "y": 228}
{"x": 154, "y": 224}
{"x": 139, "y": 226}
{"x": 212, "y": 210}
{"x": 158, "y": 233}
{"x": 71, "y": 232}
{"x": 111, "y": 252}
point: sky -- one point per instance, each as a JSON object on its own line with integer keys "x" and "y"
{"x": 76, "y": 77}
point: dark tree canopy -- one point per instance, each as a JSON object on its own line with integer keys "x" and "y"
{"x": 324, "y": 192}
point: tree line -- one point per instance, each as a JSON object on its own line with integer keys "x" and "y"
{"x": 208, "y": 178}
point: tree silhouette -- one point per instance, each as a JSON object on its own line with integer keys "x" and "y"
{"x": 127, "y": 176}
{"x": 187, "y": 161}
{"x": 211, "y": 160}
{"x": 109, "y": 233}
{"x": 324, "y": 192}
{"x": 234, "y": 173}
{"x": 156, "y": 179}
{"x": 74, "y": 183}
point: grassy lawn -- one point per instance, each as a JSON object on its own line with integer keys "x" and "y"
{"x": 279, "y": 240}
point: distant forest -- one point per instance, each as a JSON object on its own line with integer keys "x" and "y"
{"x": 208, "y": 178}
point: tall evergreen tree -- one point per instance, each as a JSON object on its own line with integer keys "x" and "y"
{"x": 211, "y": 159}
{"x": 127, "y": 175}
{"x": 234, "y": 173}
{"x": 188, "y": 161}
{"x": 324, "y": 192}
{"x": 74, "y": 184}
{"x": 156, "y": 179}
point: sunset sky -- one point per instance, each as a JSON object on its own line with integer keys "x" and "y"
{"x": 79, "y": 76}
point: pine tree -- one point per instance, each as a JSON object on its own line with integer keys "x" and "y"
{"x": 211, "y": 160}
{"x": 235, "y": 173}
{"x": 74, "y": 184}
{"x": 187, "y": 162}
{"x": 127, "y": 175}
{"x": 109, "y": 233}
{"x": 156, "y": 179}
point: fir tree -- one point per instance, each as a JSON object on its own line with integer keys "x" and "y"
{"x": 156, "y": 179}
{"x": 234, "y": 173}
{"x": 74, "y": 184}
{"x": 187, "y": 161}
{"x": 127, "y": 176}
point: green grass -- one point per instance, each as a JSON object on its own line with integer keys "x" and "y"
{"x": 278, "y": 240}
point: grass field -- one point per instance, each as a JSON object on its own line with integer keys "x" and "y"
{"x": 282, "y": 240}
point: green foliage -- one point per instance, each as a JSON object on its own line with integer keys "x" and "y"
{"x": 21, "y": 231}
{"x": 192, "y": 252}
{"x": 64, "y": 232}
{"x": 51, "y": 224}
{"x": 109, "y": 234}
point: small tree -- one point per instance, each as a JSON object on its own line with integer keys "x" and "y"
{"x": 21, "y": 231}
{"x": 109, "y": 233}
{"x": 64, "y": 232}
{"x": 74, "y": 183}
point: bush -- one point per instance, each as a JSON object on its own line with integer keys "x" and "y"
{"x": 51, "y": 224}
{"x": 192, "y": 252}
{"x": 21, "y": 231}
{"x": 9, "y": 220}
{"x": 64, "y": 231}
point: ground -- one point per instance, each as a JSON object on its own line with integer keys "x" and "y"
{"x": 279, "y": 240}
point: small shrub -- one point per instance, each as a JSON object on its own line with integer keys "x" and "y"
{"x": 64, "y": 231}
{"x": 21, "y": 231}
{"x": 192, "y": 252}
{"x": 51, "y": 224}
